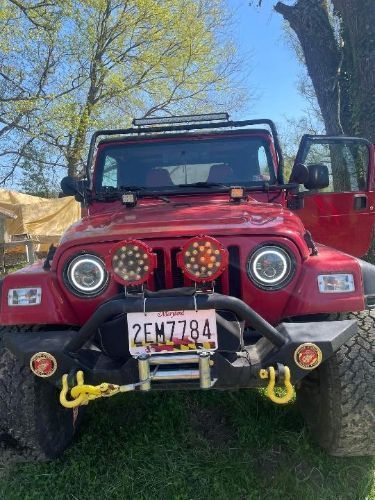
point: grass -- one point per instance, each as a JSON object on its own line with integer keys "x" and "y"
{"x": 192, "y": 445}
{"x": 12, "y": 268}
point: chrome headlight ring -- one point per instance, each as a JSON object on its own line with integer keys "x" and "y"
{"x": 86, "y": 275}
{"x": 270, "y": 267}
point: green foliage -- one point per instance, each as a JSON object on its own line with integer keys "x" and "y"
{"x": 37, "y": 177}
{"x": 68, "y": 67}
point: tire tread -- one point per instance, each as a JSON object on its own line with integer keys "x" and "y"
{"x": 33, "y": 425}
{"x": 342, "y": 416}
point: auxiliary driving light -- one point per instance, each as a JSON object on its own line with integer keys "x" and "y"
{"x": 167, "y": 120}
{"x": 237, "y": 193}
{"x": 132, "y": 262}
{"x": 203, "y": 259}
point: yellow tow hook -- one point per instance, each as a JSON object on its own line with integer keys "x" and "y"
{"x": 270, "y": 373}
{"x": 82, "y": 393}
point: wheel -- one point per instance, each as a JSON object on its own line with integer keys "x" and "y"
{"x": 337, "y": 399}
{"x": 33, "y": 424}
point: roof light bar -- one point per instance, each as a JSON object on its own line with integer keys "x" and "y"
{"x": 159, "y": 120}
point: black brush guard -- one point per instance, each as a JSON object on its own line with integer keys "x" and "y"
{"x": 276, "y": 346}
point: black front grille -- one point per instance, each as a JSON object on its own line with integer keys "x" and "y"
{"x": 234, "y": 271}
{"x": 159, "y": 273}
{"x": 228, "y": 283}
{"x": 219, "y": 285}
{"x": 177, "y": 275}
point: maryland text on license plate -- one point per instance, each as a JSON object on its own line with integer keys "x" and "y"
{"x": 171, "y": 331}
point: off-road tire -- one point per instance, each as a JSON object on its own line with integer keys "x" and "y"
{"x": 33, "y": 424}
{"x": 337, "y": 399}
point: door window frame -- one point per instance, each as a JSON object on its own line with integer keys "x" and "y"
{"x": 308, "y": 139}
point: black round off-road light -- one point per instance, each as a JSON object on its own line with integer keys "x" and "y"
{"x": 270, "y": 267}
{"x": 86, "y": 275}
{"x": 132, "y": 262}
{"x": 203, "y": 259}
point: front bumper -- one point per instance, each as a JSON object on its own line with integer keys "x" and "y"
{"x": 228, "y": 369}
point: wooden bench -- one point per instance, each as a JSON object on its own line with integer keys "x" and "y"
{"x": 25, "y": 240}
{"x": 16, "y": 240}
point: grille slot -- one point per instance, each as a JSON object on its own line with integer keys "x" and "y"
{"x": 219, "y": 285}
{"x": 234, "y": 271}
{"x": 159, "y": 273}
{"x": 228, "y": 282}
{"x": 177, "y": 275}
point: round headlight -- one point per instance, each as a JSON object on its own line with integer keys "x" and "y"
{"x": 203, "y": 259}
{"x": 270, "y": 267}
{"x": 132, "y": 262}
{"x": 86, "y": 275}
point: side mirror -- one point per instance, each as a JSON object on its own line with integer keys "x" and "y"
{"x": 75, "y": 187}
{"x": 318, "y": 176}
{"x": 299, "y": 175}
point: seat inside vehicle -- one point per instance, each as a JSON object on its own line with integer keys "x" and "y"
{"x": 220, "y": 173}
{"x": 158, "y": 177}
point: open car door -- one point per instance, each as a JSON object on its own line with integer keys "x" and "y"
{"x": 342, "y": 214}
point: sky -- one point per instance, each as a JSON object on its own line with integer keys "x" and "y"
{"x": 274, "y": 69}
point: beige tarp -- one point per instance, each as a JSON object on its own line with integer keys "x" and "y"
{"x": 41, "y": 218}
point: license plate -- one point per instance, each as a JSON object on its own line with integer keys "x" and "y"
{"x": 171, "y": 331}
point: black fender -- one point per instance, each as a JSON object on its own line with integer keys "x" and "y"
{"x": 368, "y": 275}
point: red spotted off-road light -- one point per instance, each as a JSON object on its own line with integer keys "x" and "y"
{"x": 132, "y": 262}
{"x": 203, "y": 259}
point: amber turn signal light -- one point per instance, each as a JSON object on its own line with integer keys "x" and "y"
{"x": 237, "y": 193}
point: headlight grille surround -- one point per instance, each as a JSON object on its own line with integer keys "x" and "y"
{"x": 85, "y": 275}
{"x": 270, "y": 267}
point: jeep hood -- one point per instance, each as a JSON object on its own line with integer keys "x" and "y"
{"x": 179, "y": 218}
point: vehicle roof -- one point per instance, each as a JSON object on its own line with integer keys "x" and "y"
{"x": 188, "y": 130}
{"x": 206, "y": 132}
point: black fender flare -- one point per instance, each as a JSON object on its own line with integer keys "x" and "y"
{"x": 368, "y": 276}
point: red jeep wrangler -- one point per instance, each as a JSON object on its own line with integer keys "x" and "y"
{"x": 197, "y": 266}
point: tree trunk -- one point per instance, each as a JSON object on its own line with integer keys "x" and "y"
{"x": 309, "y": 20}
{"x": 343, "y": 77}
{"x": 358, "y": 24}
{"x": 358, "y": 30}
{"x": 75, "y": 152}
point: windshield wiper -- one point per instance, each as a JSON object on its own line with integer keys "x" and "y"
{"x": 203, "y": 185}
{"x": 132, "y": 188}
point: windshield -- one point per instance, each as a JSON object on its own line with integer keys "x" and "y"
{"x": 164, "y": 165}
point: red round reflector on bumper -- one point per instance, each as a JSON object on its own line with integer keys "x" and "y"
{"x": 43, "y": 364}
